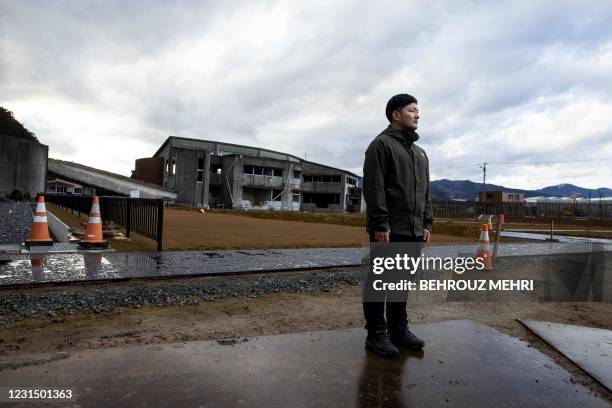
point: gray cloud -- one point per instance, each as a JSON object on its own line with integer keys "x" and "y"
{"x": 310, "y": 78}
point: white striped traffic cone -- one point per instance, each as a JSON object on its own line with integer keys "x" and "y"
{"x": 39, "y": 234}
{"x": 93, "y": 232}
{"x": 484, "y": 249}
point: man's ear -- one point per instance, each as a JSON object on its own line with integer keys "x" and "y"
{"x": 395, "y": 115}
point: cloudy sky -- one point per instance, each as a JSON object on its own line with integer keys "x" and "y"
{"x": 523, "y": 85}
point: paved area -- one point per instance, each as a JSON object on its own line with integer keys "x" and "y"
{"x": 590, "y": 348}
{"x": 465, "y": 364}
{"x": 560, "y": 238}
{"x": 44, "y": 268}
{"x": 15, "y": 222}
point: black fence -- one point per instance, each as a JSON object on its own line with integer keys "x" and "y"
{"x": 468, "y": 209}
{"x": 144, "y": 216}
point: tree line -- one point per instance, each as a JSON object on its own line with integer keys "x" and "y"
{"x": 11, "y": 127}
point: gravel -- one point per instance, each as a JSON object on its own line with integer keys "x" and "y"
{"x": 52, "y": 302}
{"x": 15, "y": 222}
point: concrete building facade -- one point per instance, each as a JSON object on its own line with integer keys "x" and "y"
{"x": 23, "y": 165}
{"x": 214, "y": 174}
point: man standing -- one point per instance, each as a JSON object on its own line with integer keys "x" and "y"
{"x": 396, "y": 191}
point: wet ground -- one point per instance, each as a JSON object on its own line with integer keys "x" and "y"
{"x": 44, "y": 268}
{"x": 465, "y": 363}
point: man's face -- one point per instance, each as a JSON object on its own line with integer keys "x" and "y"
{"x": 407, "y": 117}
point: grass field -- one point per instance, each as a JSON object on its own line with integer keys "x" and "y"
{"x": 190, "y": 230}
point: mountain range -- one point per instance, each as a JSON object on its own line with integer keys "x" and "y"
{"x": 466, "y": 190}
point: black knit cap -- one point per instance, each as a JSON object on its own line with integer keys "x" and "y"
{"x": 397, "y": 102}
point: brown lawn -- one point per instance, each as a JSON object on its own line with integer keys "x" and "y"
{"x": 190, "y": 230}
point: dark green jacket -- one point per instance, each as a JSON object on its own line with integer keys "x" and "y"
{"x": 396, "y": 184}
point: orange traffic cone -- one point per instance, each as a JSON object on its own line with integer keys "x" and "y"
{"x": 93, "y": 233}
{"x": 484, "y": 249}
{"x": 39, "y": 234}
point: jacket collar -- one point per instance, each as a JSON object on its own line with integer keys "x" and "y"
{"x": 404, "y": 136}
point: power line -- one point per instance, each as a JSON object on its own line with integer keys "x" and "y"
{"x": 530, "y": 162}
{"x": 551, "y": 161}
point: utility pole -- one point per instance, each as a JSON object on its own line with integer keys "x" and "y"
{"x": 483, "y": 166}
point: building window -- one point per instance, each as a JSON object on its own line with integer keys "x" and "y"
{"x": 263, "y": 171}
{"x": 200, "y": 171}
{"x": 171, "y": 166}
{"x": 277, "y": 195}
{"x": 351, "y": 181}
{"x": 296, "y": 197}
{"x": 323, "y": 178}
{"x": 60, "y": 189}
{"x": 297, "y": 174}
{"x": 215, "y": 169}
{"x": 79, "y": 190}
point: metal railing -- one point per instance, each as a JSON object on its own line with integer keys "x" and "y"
{"x": 144, "y": 216}
{"x": 467, "y": 209}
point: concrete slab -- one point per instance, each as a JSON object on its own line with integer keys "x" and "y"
{"x": 589, "y": 348}
{"x": 465, "y": 364}
{"x": 56, "y": 248}
{"x": 13, "y": 249}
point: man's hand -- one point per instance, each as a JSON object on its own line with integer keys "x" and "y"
{"x": 426, "y": 235}
{"x": 381, "y": 236}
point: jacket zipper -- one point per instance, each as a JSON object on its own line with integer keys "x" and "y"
{"x": 415, "y": 181}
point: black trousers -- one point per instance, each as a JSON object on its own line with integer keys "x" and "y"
{"x": 374, "y": 311}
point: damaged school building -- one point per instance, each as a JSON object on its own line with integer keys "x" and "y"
{"x": 214, "y": 174}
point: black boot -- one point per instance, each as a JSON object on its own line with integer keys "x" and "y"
{"x": 378, "y": 342}
{"x": 402, "y": 337}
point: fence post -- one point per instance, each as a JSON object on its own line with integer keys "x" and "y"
{"x": 128, "y": 218}
{"x": 160, "y": 223}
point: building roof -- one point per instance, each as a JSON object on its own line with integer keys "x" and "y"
{"x": 252, "y": 147}
{"x": 60, "y": 167}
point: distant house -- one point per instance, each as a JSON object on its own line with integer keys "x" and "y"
{"x": 55, "y": 185}
{"x": 493, "y": 197}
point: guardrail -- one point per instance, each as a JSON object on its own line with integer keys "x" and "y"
{"x": 144, "y": 216}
